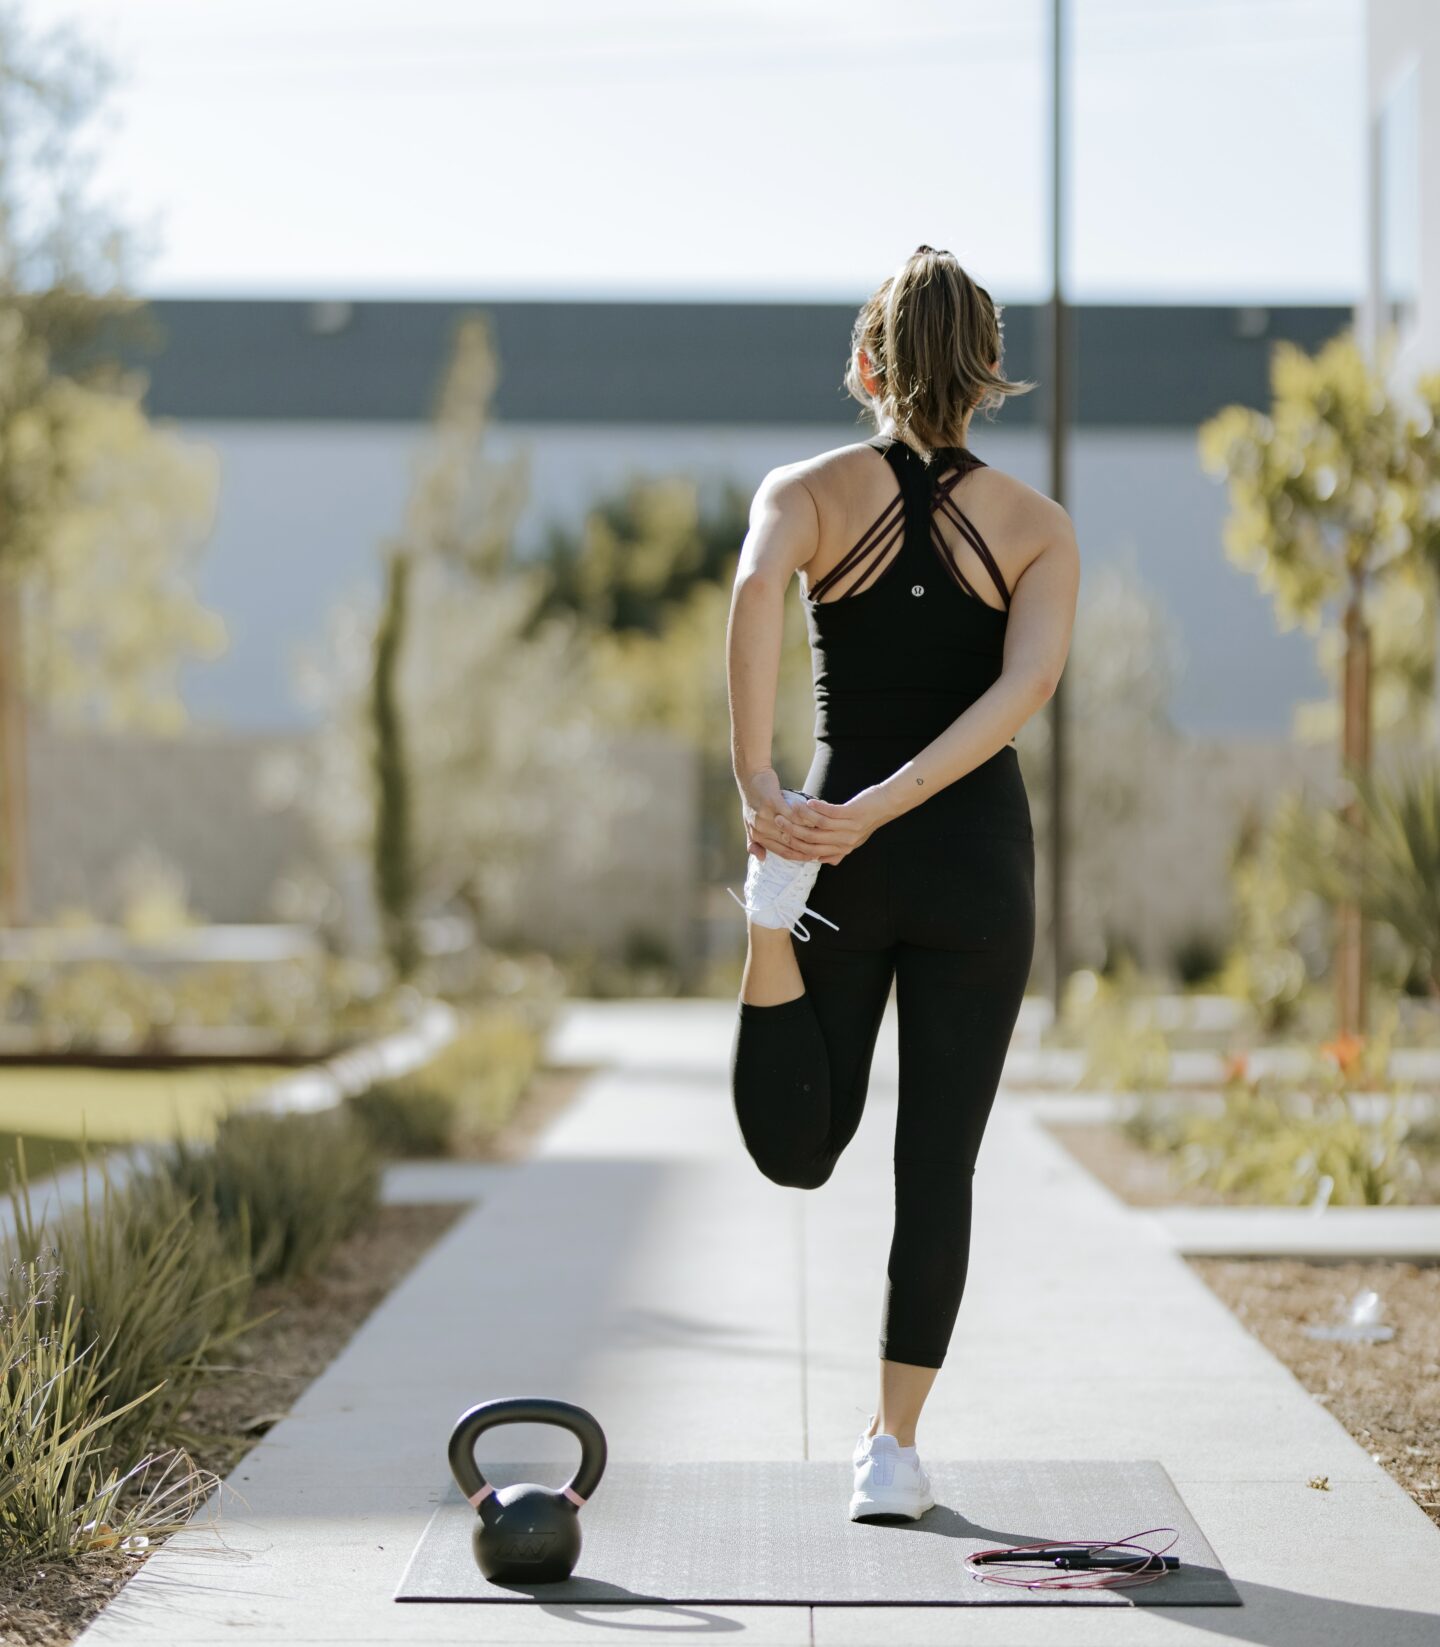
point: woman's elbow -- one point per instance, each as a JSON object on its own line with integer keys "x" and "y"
{"x": 1036, "y": 685}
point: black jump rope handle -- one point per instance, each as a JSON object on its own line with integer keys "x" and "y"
{"x": 1086, "y": 1558}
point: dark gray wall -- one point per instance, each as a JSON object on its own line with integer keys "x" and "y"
{"x": 726, "y": 363}
{"x": 316, "y": 411}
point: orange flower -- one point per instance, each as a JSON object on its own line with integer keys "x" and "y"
{"x": 1344, "y": 1051}
{"x": 1236, "y": 1065}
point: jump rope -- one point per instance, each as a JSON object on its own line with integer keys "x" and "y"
{"x": 1063, "y": 1558}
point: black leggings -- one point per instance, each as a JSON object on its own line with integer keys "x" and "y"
{"x": 941, "y": 901}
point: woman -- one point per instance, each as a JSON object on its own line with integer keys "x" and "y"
{"x": 939, "y": 598}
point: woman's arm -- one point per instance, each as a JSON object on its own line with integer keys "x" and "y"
{"x": 1037, "y": 642}
{"x": 784, "y": 534}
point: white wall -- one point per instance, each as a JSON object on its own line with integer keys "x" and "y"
{"x": 1401, "y": 32}
{"x": 303, "y": 507}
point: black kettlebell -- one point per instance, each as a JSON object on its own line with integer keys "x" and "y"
{"x": 527, "y": 1532}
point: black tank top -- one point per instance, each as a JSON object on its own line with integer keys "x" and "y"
{"x": 914, "y": 647}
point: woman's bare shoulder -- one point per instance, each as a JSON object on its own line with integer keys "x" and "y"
{"x": 836, "y": 478}
{"x": 833, "y": 463}
{"x": 1027, "y": 513}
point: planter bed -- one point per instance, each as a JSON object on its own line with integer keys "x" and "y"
{"x": 1386, "y": 1395}
{"x": 225, "y": 1048}
{"x": 276, "y": 1360}
{"x": 1143, "y": 1178}
{"x": 274, "y": 1363}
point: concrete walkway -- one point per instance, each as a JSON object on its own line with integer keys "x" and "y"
{"x": 640, "y": 1265}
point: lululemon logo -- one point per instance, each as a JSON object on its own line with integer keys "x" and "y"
{"x": 917, "y": 588}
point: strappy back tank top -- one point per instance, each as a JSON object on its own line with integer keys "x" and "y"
{"x": 900, "y": 641}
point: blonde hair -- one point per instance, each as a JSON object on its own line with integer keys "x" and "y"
{"x": 930, "y": 334}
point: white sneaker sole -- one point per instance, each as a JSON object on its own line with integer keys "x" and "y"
{"x": 866, "y": 1503}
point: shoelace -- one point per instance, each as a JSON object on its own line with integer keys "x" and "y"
{"x": 795, "y": 927}
{"x": 771, "y": 886}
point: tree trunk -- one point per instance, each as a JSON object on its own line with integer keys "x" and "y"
{"x": 394, "y": 861}
{"x": 1352, "y": 939}
{"x": 14, "y": 809}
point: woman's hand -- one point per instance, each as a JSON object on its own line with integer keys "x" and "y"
{"x": 771, "y": 823}
{"x": 845, "y": 825}
{"x": 826, "y": 830}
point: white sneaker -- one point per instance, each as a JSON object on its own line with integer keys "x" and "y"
{"x": 889, "y": 1479}
{"x": 776, "y": 888}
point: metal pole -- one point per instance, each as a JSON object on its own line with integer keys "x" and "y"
{"x": 1059, "y": 407}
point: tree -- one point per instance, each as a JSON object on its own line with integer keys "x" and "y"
{"x": 459, "y": 738}
{"x": 99, "y": 511}
{"x": 1334, "y": 498}
{"x": 649, "y": 573}
{"x": 394, "y": 858}
{"x": 641, "y": 552}
{"x": 1388, "y": 864}
{"x": 110, "y": 605}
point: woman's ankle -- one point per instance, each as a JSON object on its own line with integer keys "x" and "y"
{"x": 902, "y": 1438}
{"x": 771, "y": 975}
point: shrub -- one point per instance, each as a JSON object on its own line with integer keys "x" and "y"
{"x": 1197, "y": 957}
{"x": 155, "y": 1283}
{"x": 1276, "y": 1140}
{"x": 1274, "y": 1146}
{"x": 1125, "y": 1049}
{"x": 488, "y": 1065}
{"x": 290, "y": 1186}
{"x": 58, "y": 1494}
{"x": 474, "y": 1081}
{"x": 1153, "y": 1122}
{"x": 1386, "y": 858}
{"x": 1276, "y": 920}
{"x": 407, "y": 1117}
{"x": 108, "y": 1315}
{"x": 300, "y": 1002}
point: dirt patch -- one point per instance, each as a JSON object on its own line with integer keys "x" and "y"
{"x": 1386, "y": 1395}
{"x": 1140, "y": 1177}
{"x": 275, "y": 1360}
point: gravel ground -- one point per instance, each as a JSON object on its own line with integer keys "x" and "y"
{"x": 1386, "y": 1395}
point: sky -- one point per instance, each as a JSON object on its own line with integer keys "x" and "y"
{"x": 757, "y": 149}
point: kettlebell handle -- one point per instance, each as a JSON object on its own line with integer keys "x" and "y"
{"x": 527, "y": 1410}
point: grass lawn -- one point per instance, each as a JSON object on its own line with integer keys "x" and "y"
{"x": 53, "y": 1109}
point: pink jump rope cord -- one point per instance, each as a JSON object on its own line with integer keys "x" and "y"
{"x": 1120, "y": 1578}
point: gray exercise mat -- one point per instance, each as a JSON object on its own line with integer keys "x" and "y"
{"x": 775, "y": 1533}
